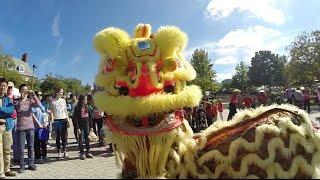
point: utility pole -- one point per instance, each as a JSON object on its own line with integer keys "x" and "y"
{"x": 33, "y": 67}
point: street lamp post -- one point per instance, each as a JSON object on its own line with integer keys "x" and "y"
{"x": 33, "y": 67}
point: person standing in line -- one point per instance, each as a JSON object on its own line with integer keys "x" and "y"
{"x": 233, "y": 103}
{"x": 97, "y": 118}
{"x": 40, "y": 145}
{"x": 262, "y": 98}
{"x": 247, "y": 101}
{"x": 58, "y": 107}
{"x": 72, "y": 102}
{"x": 83, "y": 123}
{"x": 202, "y": 118}
{"x": 15, "y": 143}
{"x": 318, "y": 95}
{"x": 25, "y": 125}
{"x": 6, "y": 125}
{"x": 220, "y": 109}
{"x": 215, "y": 111}
{"x": 306, "y": 99}
{"x": 209, "y": 112}
{"x": 288, "y": 95}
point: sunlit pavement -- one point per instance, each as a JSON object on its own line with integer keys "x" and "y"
{"x": 102, "y": 166}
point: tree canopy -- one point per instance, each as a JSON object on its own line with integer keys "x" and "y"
{"x": 205, "y": 73}
{"x": 240, "y": 79}
{"x": 51, "y": 82}
{"x": 304, "y": 66}
{"x": 267, "y": 69}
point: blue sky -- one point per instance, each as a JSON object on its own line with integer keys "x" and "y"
{"x": 58, "y": 34}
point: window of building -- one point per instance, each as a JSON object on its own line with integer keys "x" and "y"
{"x": 21, "y": 68}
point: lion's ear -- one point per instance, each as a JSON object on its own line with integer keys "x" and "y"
{"x": 142, "y": 30}
{"x": 170, "y": 40}
{"x": 111, "y": 41}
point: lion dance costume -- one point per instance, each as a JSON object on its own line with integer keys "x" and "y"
{"x": 144, "y": 80}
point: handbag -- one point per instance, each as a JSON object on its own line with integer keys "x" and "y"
{"x": 93, "y": 137}
{"x": 43, "y": 134}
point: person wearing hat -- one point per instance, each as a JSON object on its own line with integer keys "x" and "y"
{"x": 233, "y": 103}
{"x": 289, "y": 95}
{"x": 262, "y": 97}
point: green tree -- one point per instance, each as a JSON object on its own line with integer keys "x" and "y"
{"x": 297, "y": 74}
{"x": 205, "y": 73}
{"x": 10, "y": 75}
{"x": 305, "y": 55}
{"x": 267, "y": 69}
{"x": 51, "y": 82}
{"x": 240, "y": 79}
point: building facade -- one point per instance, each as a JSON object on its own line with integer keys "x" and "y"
{"x": 21, "y": 66}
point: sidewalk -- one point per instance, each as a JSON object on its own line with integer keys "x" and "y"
{"x": 102, "y": 166}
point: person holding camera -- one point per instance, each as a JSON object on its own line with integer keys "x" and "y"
{"x": 25, "y": 125}
{"x": 6, "y": 125}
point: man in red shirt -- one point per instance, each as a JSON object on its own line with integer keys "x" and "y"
{"x": 247, "y": 101}
{"x": 220, "y": 108}
{"x": 306, "y": 99}
{"x": 233, "y": 103}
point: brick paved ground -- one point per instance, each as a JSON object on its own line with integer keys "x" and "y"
{"x": 102, "y": 166}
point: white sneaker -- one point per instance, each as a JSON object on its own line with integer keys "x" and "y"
{"x": 59, "y": 155}
{"x": 65, "y": 154}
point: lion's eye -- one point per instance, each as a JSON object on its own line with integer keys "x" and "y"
{"x": 109, "y": 65}
{"x": 124, "y": 91}
{"x": 144, "y": 45}
{"x": 169, "y": 89}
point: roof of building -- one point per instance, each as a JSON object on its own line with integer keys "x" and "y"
{"x": 20, "y": 66}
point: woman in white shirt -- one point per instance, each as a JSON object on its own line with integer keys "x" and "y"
{"x": 58, "y": 107}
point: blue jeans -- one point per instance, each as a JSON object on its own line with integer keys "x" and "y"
{"x": 84, "y": 135}
{"x": 60, "y": 126}
{"x": 15, "y": 144}
{"x": 22, "y": 137}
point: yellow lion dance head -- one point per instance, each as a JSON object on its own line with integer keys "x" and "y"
{"x": 144, "y": 79}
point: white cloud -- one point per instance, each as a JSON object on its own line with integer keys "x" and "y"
{"x": 76, "y": 59}
{"x": 226, "y": 60}
{"x": 188, "y": 52}
{"x": 56, "y": 26}
{"x": 241, "y": 44}
{"x": 262, "y": 9}
{"x": 50, "y": 61}
{"x": 47, "y": 65}
{"x": 222, "y": 76}
{"x": 56, "y": 30}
